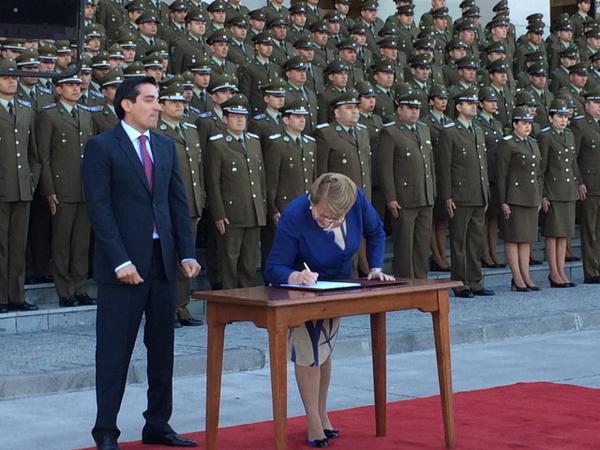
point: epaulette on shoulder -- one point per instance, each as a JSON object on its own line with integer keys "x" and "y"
{"x": 194, "y": 109}
{"x": 543, "y": 130}
{"x": 388, "y": 124}
{"x": 24, "y": 103}
{"x": 205, "y": 115}
{"x": 322, "y": 125}
{"x": 91, "y": 108}
{"x": 259, "y": 116}
{"x": 507, "y": 138}
{"x": 188, "y": 125}
{"x": 578, "y": 117}
{"x": 274, "y": 136}
{"x": 97, "y": 94}
{"x": 449, "y": 125}
{"x": 44, "y": 90}
{"x": 49, "y": 106}
{"x": 308, "y": 138}
{"x": 360, "y": 125}
{"x": 216, "y": 137}
{"x": 532, "y": 139}
{"x": 252, "y": 135}
{"x": 422, "y": 123}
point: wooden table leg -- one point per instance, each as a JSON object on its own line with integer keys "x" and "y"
{"x": 442, "y": 350}
{"x": 214, "y": 367}
{"x": 278, "y": 361}
{"x": 378, "y": 350}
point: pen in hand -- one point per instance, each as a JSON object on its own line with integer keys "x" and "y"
{"x": 308, "y": 277}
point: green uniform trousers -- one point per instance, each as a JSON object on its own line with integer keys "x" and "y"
{"x": 238, "y": 253}
{"x": 70, "y": 248}
{"x": 411, "y": 233}
{"x": 590, "y": 236}
{"x": 14, "y": 218}
{"x": 466, "y": 238}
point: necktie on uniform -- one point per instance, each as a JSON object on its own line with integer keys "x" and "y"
{"x": 242, "y": 143}
{"x": 180, "y": 132}
{"x": 416, "y": 133}
{"x": 75, "y": 114}
{"x": 11, "y": 110}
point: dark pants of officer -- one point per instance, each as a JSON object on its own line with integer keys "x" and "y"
{"x": 14, "y": 217}
{"x": 466, "y": 238}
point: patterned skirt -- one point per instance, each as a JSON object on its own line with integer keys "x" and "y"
{"x": 311, "y": 345}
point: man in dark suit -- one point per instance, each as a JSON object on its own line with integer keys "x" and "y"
{"x": 140, "y": 215}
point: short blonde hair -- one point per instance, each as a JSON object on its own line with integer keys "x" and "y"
{"x": 336, "y": 190}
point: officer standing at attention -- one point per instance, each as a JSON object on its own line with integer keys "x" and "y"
{"x": 587, "y": 134}
{"x": 20, "y": 169}
{"x": 235, "y": 183}
{"x": 343, "y": 144}
{"x": 189, "y": 157}
{"x": 63, "y": 129}
{"x": 406, "y": 171}
{"x": 463, "y": 182}
{"x": 269, "y": 122}
{"x": 107, "y": 118}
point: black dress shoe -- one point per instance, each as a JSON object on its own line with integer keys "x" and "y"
{"x": 465, "y": 293}
{"x": 4, "y": 309}
{"x": 483, "y": 292}
{"x": 23, "y": 307}
{"x": 177, "y": 324}
{"x": 435, "y": 267}
{"x": 332, "y": 433}
{"x": 571, "y": 284}
{"x": 191, "y": 322}
{"x": 107, "y": 443}
{"x": 67, "y": 301}
{"x": 572, "y": 258}
{"x": 554, "y": 284}
{"x": 592, "y": 280}
{"x": 319, "y": 443}
{"x": 488, "y": 265}
{"x": 85, "y": 300}
{"x": 170, "y": 439}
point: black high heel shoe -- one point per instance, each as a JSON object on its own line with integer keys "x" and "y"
{"x": 533, "y": 288}
{"x": 319, "y": 443}
{"x": 514, "y": 287}
{"x": 557, "y": 285}
{"x": 332, "y": 433}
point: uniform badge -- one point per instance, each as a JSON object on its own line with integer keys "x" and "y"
{"x": 163, "y": 127}
{"x": 286, "y": 139}
{"x": 228, "y": 139}
{"x": 338, "y": 128}
{"x": 344, "y": 161}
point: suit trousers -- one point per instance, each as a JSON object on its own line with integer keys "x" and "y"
{"x": 411, "y": 232}
{"x": 239, "y": 250}
{"x": 590, "y": 236}
{"x": 120, "y": 309}
{"x": 14, "y": 217}
{"x": 70, "y": 248}
{"x": 466, "y": 238}
{"x": 184, "y": 284}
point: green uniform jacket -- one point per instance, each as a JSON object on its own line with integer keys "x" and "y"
{"x": 462, "y": 169}
{"x": 252, "y": 78}
{"x": 405, "y": 165}
{"x": 61, "y": 141}
{"x": 290, "y": 169}
{"x": 519, "y": 175}
{"x": 559, "y": 165}
{"x": 209, "y": 124}
{"x": 105, "y": 119}
{"x": 187, "y": 51}
{"x": 235, "y": 181}
{"x": 19, "y": 164}
{"x": 587, "y": 136}
{"x": 338, "y": 151}
{"x": 189, "y": 159}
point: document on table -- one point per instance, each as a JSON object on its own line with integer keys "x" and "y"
{"x": 322, "y": 286}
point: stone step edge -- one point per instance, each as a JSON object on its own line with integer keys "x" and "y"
{"x": 237, "y": 359}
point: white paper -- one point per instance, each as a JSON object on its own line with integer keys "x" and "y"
{"x": 322, "y": 285}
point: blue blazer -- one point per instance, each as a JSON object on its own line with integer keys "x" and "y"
{"x": 122, "y": 208}
{"x": 299, "y": 239}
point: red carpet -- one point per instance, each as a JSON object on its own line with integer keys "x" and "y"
{"x": 537, "y": 416}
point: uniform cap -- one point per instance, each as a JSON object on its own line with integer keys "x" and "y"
{"x": 63, "y": 46}
{"x": 295, "y": 63}
{"x": 569, "y": 53}
{"x": 8, "y": 64}
{"x": 116, "y": 52}
{"x": 365, "y": 89}
{"x": 218, "y": 36}
{"x": 276, "y": 21}
{"x": 499, "y": 65}
{"x": 410, "y": 98}
{"x": 298, "y": 8}
{"x": 472, "y": 13}
{"x": 437, "y": 91}
{"x": 294, "y": 106}
{"x": 579, "y": 69}
{"x": 147, "y": 17}
{"x": 592, "y": 95}
{"x": 216, "y": 6}
{"x": 487, "y": 94}
{"x": 195, "y": 14}
{"x": 388, "y": 42}
{"x": 525, "y": 98}
{"x": 369, "y": 4}
{"x": 348, "y": 98}
{"x": 29, "y": 57}
{"x": 559, "y": 106}
{"x": 86, "y": 65}
{"x": 468, "y": 95}
{"x": 135, "y": 69}
{"x": 276, "y": 88}
{"x": 257, "y": 14}
{"x": 238, "y": 21}
{"x": 263, "y": 38}
{"x": 151, "y": 61}
{"x": 336, "y": 67}
{"x": 135, "y": 5}
{"x": 440, "y": 12}
{"x": 332, "y": 17}
{"x": 496, "y": 47}
{"x": 383, "y": 66}
{"x": 100, "y": 61}
{"x": 421, "y": 60}
{"x": 406, "y": 10}
{"x": 347, "y": 44}
{"x": 468, "y": 62}
{"x": 202, "y": 65}
{"x": 538, "y": 69}
{"x": 74, "y": 79}
{"x": 305, "y": 43}
{"x": 173, "y": 92}
{"x": 219, "y": 82}
{"x": 113, "y": 77}
{"x": 178, "y": 5}
{"x": 500, "y": 6}
{"x": 466, "y": 25}
{"x": 320, "y": 26}
{"x": 522, "y": 114}
{"x": 535, "y": 56}
{"x": 237, "y": 104}
{"x": 423, "y": 44}
{"x": 47, "y": 53}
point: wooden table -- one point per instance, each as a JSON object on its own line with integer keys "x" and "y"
{"x": 277, "y": 310}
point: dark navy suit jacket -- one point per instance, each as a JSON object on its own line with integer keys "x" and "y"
{"x": 123, "y": 209}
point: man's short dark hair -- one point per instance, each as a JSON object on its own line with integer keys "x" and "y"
{"x": 129, "y": 90}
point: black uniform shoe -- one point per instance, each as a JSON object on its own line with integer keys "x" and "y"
{"x": 592, "y": 280}
{"x": 3, "y": 309}
{"x": 23, "y": 307}
{"x": 107, "y": 443}
{"x": 484, "y": 292}
{"x": 170, "y": 439}
{"x": 191, "y": 322}
{"x": 176, "y": 324}
{"x": 85, "y": 300}
{"x": 465, "y": 293}
{"x": 67, "y": 301}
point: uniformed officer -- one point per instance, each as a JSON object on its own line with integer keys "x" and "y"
{"x": 269, "y": 123}
{"x": 240, "y": 52}
{"x": 28, "y": 89}
{"x": 235, "y": 183}
{"x": 189, "y": 157}
{"x": 190, "y": 48}
{"x": 498, "y": 75}
{"x": 62, "y": 130}
{"x": 383, "y": 80}
{"x": 336, "y": 74}
{"x": 259, "y": 72}
{"x": 559, "y": 77}
{"x": 406, "y": 173}
{"x": 295, "y": 71}
{"x": 201, "y": 72}
{"x": 315, "y": 78}
{"x": 587, "y": 134}
{"x": 561, "y": 180}
{"x": 297, "y": 29}
{"x": 578, "y": 75}
{"x": 526, "y": 98}
{"x": 420, "y": 67}
{"x": 107, "y": 118}
{"x": 343, "y": 144}
{"x": 219, "y": 49}
{"x": 493, "y": 132}
{"x": 289, "y": 164}
{"x": 174, "y": 28}
{"x": 539, "y": 89}
{"x": 282, "y": 50}
{"x": 436, "y": 120}
{"x": 147, "y": 33}
{"x": 347, "y": 53}
{"x": 464, "y": 186}
{"x": 20, "y": 170}
{"x": 467, "y": 77}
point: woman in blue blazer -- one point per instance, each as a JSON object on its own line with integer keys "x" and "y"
{"x": 322, "y": 231}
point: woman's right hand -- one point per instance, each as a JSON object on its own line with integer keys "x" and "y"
{"x": 545, "y": 204}
{"x": 505, "y": 207}
{"x": 304, "y": 278}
